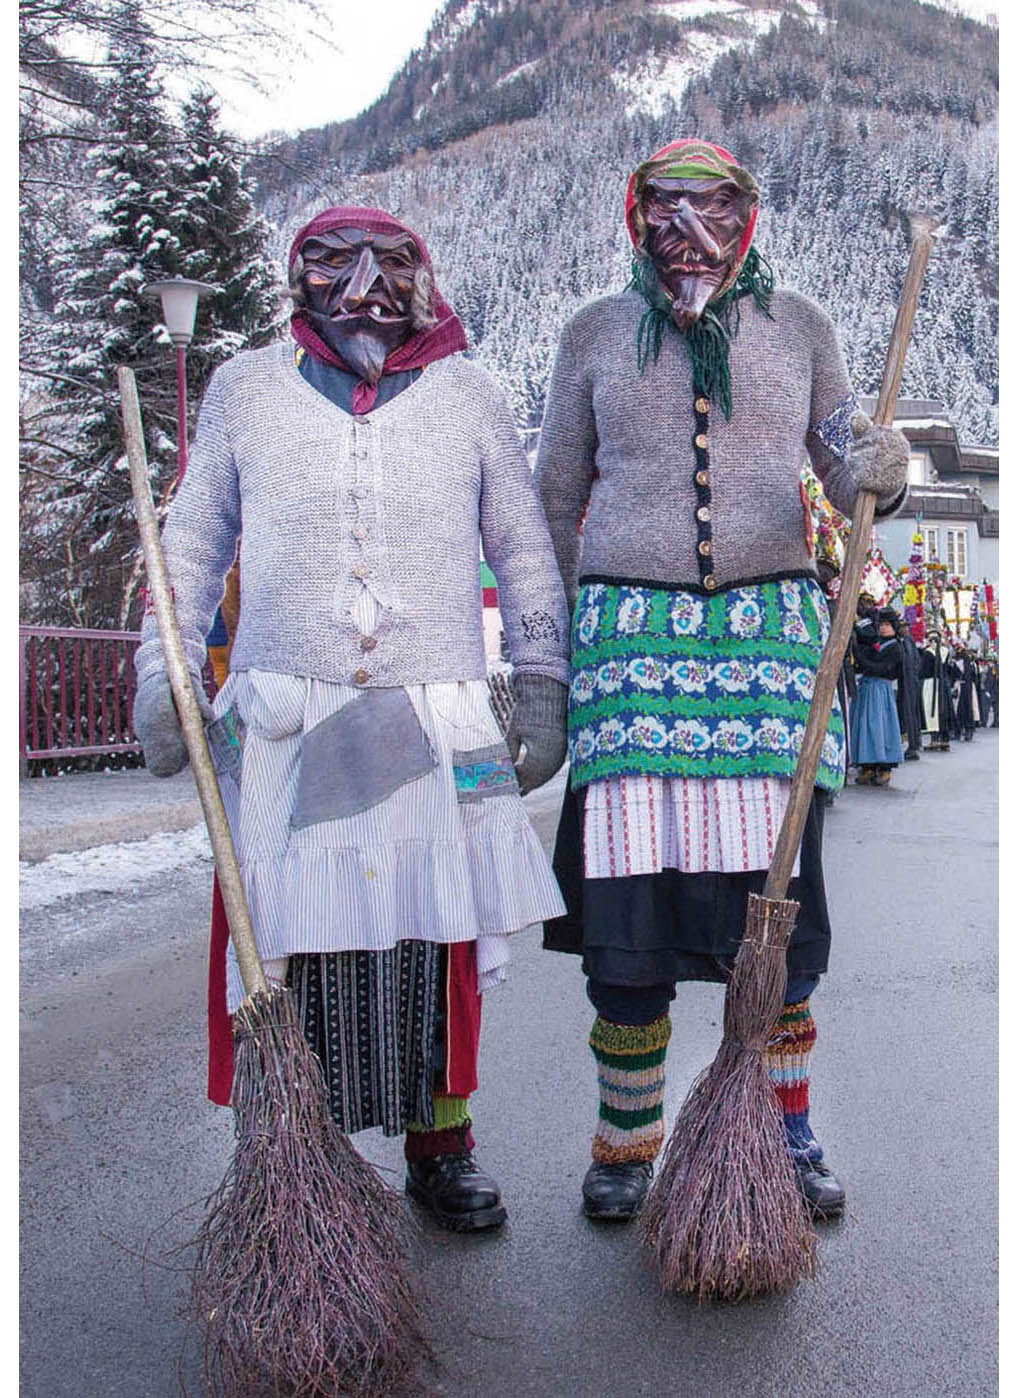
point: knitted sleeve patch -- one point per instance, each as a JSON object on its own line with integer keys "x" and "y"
{"x": 539, "y": 626}
{"x": 834, "y": 430}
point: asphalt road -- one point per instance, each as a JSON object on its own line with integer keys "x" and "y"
{"x": 119, "y": 1147}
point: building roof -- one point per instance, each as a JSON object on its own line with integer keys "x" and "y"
{"x": 927, "y": 423}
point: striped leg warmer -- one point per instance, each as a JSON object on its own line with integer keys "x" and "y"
{"x": 450, "y": 1134}
{"x": 631, "y": 1084}
{"x": 787, "y": 1057}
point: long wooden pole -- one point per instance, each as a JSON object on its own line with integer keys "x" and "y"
{"x": 791, "y": 832}
{"x": 192, "y": 726}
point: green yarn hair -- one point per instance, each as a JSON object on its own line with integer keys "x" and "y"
{"x": 708, "y": 339}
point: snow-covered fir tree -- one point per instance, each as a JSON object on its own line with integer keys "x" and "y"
{"x": 222, "y": 241}
{"x": 80, "y": 552}
{"x": 176, "y": 203}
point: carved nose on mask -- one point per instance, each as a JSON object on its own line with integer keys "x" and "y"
{"x": 364, "y": 276}
{"x": 685, "y": 221}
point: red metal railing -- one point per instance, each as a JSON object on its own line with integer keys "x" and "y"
{"x": 77, "y": 687}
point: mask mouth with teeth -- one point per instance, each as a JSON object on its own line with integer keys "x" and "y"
{"x": 694, "y": 229}
{"x": 358, "y": 291}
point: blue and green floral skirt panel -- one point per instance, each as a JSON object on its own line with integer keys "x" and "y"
{"x": 681, "y": 684}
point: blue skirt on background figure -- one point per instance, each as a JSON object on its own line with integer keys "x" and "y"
{"x": 874, "y": 723}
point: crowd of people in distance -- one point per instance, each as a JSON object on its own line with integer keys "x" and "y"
{"x": 896, "y": 692}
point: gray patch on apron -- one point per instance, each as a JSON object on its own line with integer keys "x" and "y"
{"x": 358, "y": 756}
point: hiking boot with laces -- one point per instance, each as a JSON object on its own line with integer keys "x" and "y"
{"x": 456, "y": 1192}
{"x": 616, "y": 1191}
{"x": 820, "y": 1186}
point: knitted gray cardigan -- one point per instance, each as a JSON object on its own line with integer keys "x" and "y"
{"x": 619, "y": 444}
{"x": 325, "y": 502}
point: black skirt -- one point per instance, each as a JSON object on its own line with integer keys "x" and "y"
{"x": 651, "y": 928}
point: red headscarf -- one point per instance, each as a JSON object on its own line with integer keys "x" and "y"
{"x": 446, "y": 336}
{"x": 693, "y": 159}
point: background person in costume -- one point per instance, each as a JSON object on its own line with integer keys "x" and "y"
{"x": 845, "y": 690}
{"x": 679, "y": 415}
{"x": 875, "y": 740}
{"x": 375, "y": 807}
{"x": 936, "y": 692}
{"x": 990, "y": 689}
{"x": 967, "y": 706}
{"x": 907, "y": 694}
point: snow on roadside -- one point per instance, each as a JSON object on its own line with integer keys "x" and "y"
{"x": 110, "y": 868}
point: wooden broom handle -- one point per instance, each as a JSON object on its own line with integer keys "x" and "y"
{"x": 192, "y": 726}
{"x": 791, "y": 832}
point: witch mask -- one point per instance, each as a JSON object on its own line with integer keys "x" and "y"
{"x": 359, "y": 290}
{"x": 690, "y": 213}
{"x": 694, "y": 229}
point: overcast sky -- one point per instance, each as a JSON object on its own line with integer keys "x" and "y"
{"x": 366, "y": 42}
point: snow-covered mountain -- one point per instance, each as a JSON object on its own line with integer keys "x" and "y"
{"x": 507, "y": 138}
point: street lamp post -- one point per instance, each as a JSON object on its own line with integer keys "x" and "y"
{"x": 179, "y": 298}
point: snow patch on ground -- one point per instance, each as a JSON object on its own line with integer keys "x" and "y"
{"x": 696, "y": 9}
{"x": 453, "y": 27}
{"x": 110, "y": 868}
{"x": 704, "y": 9}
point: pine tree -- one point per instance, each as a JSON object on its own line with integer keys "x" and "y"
{"x": 222, "y": 241}
{"x": 177, "y": 203}
{"x": 103, "y": 320}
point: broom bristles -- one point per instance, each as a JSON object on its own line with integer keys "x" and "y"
{"x": 300, "y": 1275}
{"x": 725, "y": 1218}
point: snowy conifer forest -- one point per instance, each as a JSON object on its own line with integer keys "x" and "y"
{"x": 506, "y": 140}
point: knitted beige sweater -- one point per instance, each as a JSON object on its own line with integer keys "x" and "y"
{"x": 328, "y": 504}
{"x": 619, "y": 444}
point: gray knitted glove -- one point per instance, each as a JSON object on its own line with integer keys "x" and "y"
{"x": 538, "y": 723}
{"x": 157, "y": 727}
{"x": 878, "y": 459}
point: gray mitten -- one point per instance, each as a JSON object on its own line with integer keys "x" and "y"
{"x": 878, "y": 459}
{"x": 157, "y": 727}
{"x": 538, "y": 723}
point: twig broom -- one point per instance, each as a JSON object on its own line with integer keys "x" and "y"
{"x": 299, "y": 1274}
{"x": 724, "y": 1217}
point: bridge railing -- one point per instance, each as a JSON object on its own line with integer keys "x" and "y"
{"x": 77, "y": 688}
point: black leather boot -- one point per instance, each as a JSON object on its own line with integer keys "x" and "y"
{"x": 616, "y": 1191}
{"x": 456, "y": 1192}
{"x": 820, "y": 1187}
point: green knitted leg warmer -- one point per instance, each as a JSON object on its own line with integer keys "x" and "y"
{"x": 631, "y": 1085}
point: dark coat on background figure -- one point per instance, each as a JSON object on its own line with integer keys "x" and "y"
{"x": 967, "y": 709}
{"x": 953, "y": 676}
{"x": 932, "y": 667}
{"x": 908, "y": 699}
{"x": 991, "y": 686}
{"x": 983, "y": 694}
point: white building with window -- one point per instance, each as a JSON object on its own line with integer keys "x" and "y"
{"x": 954, "y": 491}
